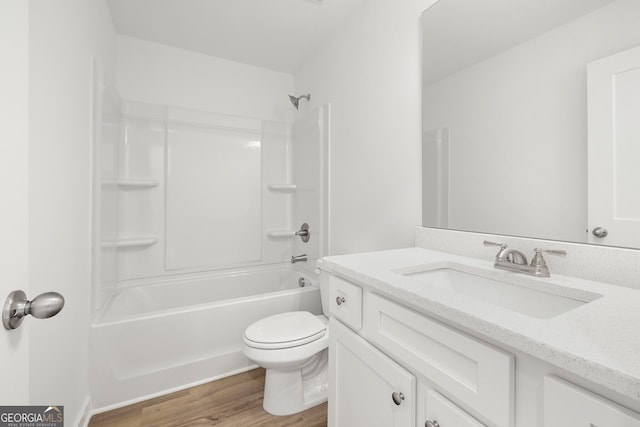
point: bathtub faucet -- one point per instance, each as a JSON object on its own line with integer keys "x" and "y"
{"x": 298, "y": 258}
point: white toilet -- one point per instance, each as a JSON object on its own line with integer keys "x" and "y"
{"x": 292, "y": 347}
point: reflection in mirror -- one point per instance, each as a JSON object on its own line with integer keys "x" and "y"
{"x": 505, "y": 107}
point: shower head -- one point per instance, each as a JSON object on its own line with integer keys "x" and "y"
{"x": 296, "y": 100}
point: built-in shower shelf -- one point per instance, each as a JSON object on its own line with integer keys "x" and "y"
{"x": 278, "y": 234}
{"x": 128, "y": 242}
{"x": 282, "y": 187}
{"x": 131, "y": 184}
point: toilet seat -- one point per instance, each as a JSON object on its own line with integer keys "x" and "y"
{"x": 285, "y": 330}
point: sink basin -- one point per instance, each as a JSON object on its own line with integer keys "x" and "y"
{"x": 515, "y": 297}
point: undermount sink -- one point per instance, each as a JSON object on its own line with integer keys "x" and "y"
{"x": 515, "y": 297}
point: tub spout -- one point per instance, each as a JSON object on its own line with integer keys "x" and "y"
{"x": 298, "y": 258}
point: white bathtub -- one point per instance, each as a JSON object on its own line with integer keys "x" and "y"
{"x": 151, "y": 339}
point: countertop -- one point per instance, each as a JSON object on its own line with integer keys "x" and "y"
{"x": 599, "y": 341}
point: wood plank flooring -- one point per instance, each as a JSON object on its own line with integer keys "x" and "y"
{"x": 229, "y": 402}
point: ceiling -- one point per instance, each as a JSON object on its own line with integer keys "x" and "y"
{"x": 275, "y": 34}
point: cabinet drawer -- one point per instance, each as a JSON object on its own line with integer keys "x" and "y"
{"x": 345, "y": 302}
{"x": 567, "y": 405}
{"x": 465, "y": 368}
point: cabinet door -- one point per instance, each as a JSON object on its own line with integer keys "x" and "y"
{"x": 566, "y": 405}
{"x": 441, "y": 412}
{"x": 366, "y": 388}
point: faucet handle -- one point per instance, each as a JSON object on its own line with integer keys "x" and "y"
{"x": 502, "y": 252}
{"x": 538, "y": 259}
{"x": 551, "y": 251}
{"x": 500, "y": 245}
{"x": 304, "y": 232}
{"x": 538, "y": 263}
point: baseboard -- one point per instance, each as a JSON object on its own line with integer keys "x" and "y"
{"x": 169, "y": 391}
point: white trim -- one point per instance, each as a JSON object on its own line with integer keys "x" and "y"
{"x": 85, "y": 414}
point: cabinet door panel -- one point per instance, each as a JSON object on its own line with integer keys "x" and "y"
{"x": 566, "y": 405}
{"x": 445, "y": 413}
{"x": 362, "y": 382}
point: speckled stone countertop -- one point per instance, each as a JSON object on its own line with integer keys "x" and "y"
{"x": 598, "y": 341}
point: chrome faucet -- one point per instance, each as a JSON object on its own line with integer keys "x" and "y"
{"x": 298, "y": 258}
{"x": 514, "y": 260}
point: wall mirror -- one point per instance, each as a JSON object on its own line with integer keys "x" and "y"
{"x": 507, "y": 117}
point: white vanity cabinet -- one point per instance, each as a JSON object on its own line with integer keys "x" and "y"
{"x": 391, "y": 366}
{"x": 472, "y": 364}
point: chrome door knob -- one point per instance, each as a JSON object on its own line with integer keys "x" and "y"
{"x": 600, "y": 232}
{"x": 16, "y": 307}
{"x": 340, "y": 300}
{"x": 397, "y": 397}
{"x": 433, "y": 423}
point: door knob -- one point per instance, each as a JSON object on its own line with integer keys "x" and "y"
{"x": 600, "y": 232}
{"x": 16, "y": 307}
{"x": 433, "y": 423}
{"x": 397, "y": 397}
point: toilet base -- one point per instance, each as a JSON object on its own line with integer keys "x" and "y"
{"x": 293, "y": 391}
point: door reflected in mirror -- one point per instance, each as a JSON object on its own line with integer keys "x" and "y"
{"x": 507, "y": 119}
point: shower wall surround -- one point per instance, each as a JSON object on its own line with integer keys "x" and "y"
{"x": 106, "y": 127}
{"x": 203, "y": 206}
{"x": 309, "y": 169}
{"x": 196, "y": 191}
{"x": 205, "y": 209}
{"x": 219, "y": 222}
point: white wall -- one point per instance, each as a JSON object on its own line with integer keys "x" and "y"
{"x": 370, "y": 73}
{"x": 64, "y": 35}
{"x": 518, "y": 128}
{"x": 14, "y": 180}
{"x": 157, "y": 74}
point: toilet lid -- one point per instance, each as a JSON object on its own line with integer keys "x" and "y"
{"x": 285, "y": 330}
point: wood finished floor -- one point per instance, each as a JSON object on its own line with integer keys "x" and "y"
{"x": 232, "y": 401}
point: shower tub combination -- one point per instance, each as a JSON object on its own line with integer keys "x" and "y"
{"x": 154, "y": 338}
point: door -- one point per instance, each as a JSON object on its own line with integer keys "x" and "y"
{"x": 366, "y": 387}
{"x": 14, "y": 192}
{"x": 436, "y": 410}
{"x": 614, "y": 151}
{"x": 566, "y": 405}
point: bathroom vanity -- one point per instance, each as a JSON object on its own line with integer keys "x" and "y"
{"x": 426, "y": 338}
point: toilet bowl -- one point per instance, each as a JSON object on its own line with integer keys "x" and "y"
{"x": 292, "y": 347}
